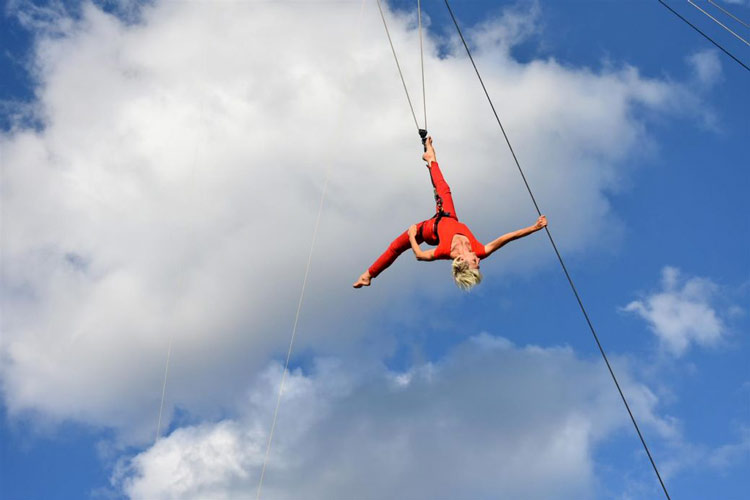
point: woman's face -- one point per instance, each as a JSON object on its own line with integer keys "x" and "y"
{"x": 471, "y": 259}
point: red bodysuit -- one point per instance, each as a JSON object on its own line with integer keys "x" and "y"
{"x": 447, "y": 227}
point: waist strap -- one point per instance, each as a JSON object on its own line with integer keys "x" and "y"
{"x": 439, "y": 215}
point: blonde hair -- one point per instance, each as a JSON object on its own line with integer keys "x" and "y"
{"x": 465, "y": 277}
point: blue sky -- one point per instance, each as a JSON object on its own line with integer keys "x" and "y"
{"x": 162, "y": 169}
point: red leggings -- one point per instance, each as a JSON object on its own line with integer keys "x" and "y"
{"x": 425, "y": 229}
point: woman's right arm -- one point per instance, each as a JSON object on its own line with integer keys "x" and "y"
{"x": 494, "y": 245}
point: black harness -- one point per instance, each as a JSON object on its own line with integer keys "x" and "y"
{"x": 438, "y": 216}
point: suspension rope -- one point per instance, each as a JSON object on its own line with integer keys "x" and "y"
{"x": 704, "y": 35}
{"x": 719, "y": 23}
{"x": 557, "y": 252}
{"x": 421, "y": 61}
{"x": 294, "y": 333}
{"x": 395, "y": 57}
{"x": 725, "y": 11}
{"x": 164, "y": 388}
{"x": 299, "y": 309}
{"x": 171, "y": 333}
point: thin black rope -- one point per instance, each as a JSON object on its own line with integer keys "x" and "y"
{"x": 557, "y": 252}
{"x": 719, "y": 22}
{"x": 725, "y": 11}
{"x": 704, "y": 35}
{"x": 395, "y": 57}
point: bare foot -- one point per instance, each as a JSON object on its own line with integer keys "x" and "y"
{"x": 363, "y": 280}
{"x": 429, "y": 156}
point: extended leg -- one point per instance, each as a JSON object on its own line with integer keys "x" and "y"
{"x": 443, "y": 198}
{"x": 396, "y": 248}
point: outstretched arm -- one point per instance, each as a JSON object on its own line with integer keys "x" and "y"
{"x": 506, "y": 238}
{"x": 418, "y": 253}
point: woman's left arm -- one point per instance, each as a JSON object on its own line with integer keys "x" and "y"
{"x": 490, "y": 247}
{"x": 418, "y": 252}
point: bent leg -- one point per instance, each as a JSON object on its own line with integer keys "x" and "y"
{"x": 396, "y": 248}
{"x": 442, "y": 190}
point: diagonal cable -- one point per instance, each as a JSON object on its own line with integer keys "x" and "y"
{"x": 172, "y": 333}
{"x": 297, "y": 314}
{"x": 164, "y": 388}
{"x": 704, "y": 35}
{"x": 559, "y": 257}
{"x": 725, "y": 11}
{"x": 719, "y": 23}
{"x": 294, "y": 333}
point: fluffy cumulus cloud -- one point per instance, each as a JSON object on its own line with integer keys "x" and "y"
{"x": 707, "y": 67}
{"x": 682, "y": 313}
{"x": 491, "y": 420}
{"x": 170, "y": 184}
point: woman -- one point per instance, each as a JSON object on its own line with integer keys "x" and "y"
{"x": 452, "y": 239}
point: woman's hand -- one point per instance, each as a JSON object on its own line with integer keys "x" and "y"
{"x": 412, "y": 231}
{"x": 429, "y": 155}
{"x": 541, "y": 222}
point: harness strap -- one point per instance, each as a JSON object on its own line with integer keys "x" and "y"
{"x": 438, "y": 216}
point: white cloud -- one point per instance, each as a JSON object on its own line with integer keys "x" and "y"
{"x": 691, "y": 458}
{"x": 732, "y": 454}
{"x": 490, "y": 421}
{"x": 516, "y": 24}
{"x": 172, "y": 188}
{"x": 682, "y": 313}
{"x": 707, "y": 67}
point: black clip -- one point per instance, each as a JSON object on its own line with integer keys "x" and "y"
{"x": 423, "y": 135}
